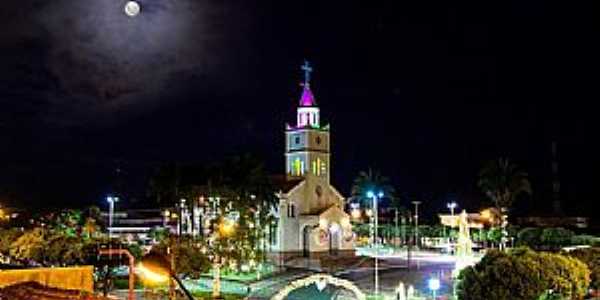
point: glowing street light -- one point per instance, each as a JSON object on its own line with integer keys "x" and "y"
{"x": 434, "y": 286}
{"x": 452, "y": 205}
{"x": 156, "y": 269}
{"x": 132, "y": 8}
{"x": 227, "y": 227}
{"x": 111, "y": 211}
{"x": 376, "y": 197}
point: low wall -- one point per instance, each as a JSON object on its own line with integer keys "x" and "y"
{"x": 74, "y": 278}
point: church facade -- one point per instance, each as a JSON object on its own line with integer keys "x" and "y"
{"x": 311, "y": 222}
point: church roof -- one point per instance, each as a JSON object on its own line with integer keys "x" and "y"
{"x": 284, "y": 184}
{"x": 307, "y": 99}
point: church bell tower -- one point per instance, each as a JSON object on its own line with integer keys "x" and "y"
{"x": 307, "y": 143}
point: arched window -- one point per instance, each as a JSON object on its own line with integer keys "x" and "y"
{"x": 291, "y": 210}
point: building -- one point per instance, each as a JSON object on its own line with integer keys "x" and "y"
{"x": 312, "y": 222}
{"x": 136, "y": 224}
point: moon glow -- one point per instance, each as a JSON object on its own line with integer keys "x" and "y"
{"x": 132, "y": 8}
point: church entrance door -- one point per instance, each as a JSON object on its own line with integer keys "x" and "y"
{"x": 334, "y": 239}
{"x": 306, "y": 241}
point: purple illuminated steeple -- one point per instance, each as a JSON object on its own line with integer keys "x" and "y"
{"x": 307, "y": 99}
{"x": 308, "y": 112}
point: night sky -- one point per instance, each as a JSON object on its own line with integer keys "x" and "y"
{"x": 425, "y": 91}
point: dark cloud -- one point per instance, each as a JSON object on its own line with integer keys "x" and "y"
{"x": 88, "y": 60}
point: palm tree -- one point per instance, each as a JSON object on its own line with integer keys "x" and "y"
{"x": 502, "y": 181}
{"x": 371, "y": 181}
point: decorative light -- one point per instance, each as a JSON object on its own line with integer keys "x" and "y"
{"x": 356, "y": 213}
{"x": 321, "y": 284}
{"x": 434, "y": 284}
{"x": 227, "y": 227}
{"x": 132, "y": 8}
{"x": 245, "y": 268}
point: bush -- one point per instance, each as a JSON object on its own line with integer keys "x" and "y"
{"x": 523, "y": 274}
{"x": 591, "y": 257}
{"x": 529, "y": 237}
{"x": 582, "y": 239}
{"x": 556, "y": 237}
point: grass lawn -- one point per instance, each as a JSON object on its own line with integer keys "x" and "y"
{"x": 208, "y": 295}
{"x": 245, "y": 277}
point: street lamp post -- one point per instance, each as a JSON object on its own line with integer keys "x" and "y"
{"x": 451, "y": 205}
{"x": 111, "y": 211}
{"x": 416, "y": 203}
{"x": 403, "y": 220}
{"x": 375, "y": 198}
{"x": 180, "y": 230}
{"x": 396, "y": 231}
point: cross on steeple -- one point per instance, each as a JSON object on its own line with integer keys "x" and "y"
{"x": 307, "y": 70}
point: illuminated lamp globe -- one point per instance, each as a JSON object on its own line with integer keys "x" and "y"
{"x": 434, "y": 284}
{"x": 132, "y": 8}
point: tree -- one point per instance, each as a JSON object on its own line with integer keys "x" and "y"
{"x": 371, "y": 181}
{"x": 240, "y": 188}
{"x": 63, "y": 250}
{"x": 192, "y": 259}
{"x": 523, "y": 274}
{"x": 494, "y": 235}
{"x": 158, "y": 234}
{"x": 502, "y": 181}
{"x": 90, "y": 228}
{"x": 7, "y": 237}
{"x": 30, "y": 246}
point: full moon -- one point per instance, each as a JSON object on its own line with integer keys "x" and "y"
{"x": 132, "y": 8}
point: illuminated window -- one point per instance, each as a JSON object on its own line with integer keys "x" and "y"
{"x": 298, "y": 167}
{"x": 319, "y": 167}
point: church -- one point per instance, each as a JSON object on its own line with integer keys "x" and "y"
{"x": 312, "y": 222}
